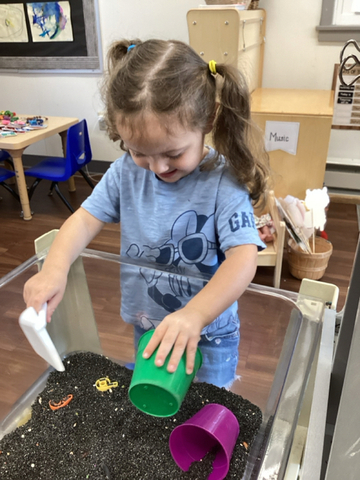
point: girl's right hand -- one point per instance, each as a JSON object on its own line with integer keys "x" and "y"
{"x": 48, "y": 286}
{"x": 43, "y": 288}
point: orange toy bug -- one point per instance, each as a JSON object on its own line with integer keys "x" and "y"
{"x": 65, "y": 401}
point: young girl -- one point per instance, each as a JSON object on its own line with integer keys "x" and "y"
{"x": 180, "y": 203}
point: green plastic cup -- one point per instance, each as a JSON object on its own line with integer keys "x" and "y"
{"x": 154, "y": 390}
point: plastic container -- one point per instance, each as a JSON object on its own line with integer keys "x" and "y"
{"x": 213, "y": 427}
{"x": 305, "y": 265}
{"x": 88, "y": 319}
{"x": 154, "y": 390}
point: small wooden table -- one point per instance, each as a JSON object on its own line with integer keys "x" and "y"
{"x": 17, "y": 144}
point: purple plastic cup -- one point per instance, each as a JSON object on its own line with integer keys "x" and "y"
{"x": 214, "y": 426}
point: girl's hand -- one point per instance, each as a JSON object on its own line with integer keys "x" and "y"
{"x": 181, "y": 331}
{"x": 45, "y": 288}
{"x": 49, "y": 284}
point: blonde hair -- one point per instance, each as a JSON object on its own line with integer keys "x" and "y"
{"x": 168, "y": 78}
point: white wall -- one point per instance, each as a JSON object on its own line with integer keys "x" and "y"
{"x": 293, "y": 59}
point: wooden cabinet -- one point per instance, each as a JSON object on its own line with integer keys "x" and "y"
{"x": 313, "y": 109}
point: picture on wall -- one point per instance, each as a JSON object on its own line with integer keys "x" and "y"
{"x": 50, "y": 21}
{"x": 12, "y": 23}
{"x": 53, "y": 36}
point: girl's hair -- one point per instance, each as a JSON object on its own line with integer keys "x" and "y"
{"x": 169, "y": 78}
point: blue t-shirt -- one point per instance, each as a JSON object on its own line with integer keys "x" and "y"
{"x": 184, "y": 226}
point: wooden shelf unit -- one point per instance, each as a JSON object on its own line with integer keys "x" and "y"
{"x": 232, "y": 36}
{"x": 313, "y": 109}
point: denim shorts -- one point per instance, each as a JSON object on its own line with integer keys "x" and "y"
{"x": 220, "y": 352}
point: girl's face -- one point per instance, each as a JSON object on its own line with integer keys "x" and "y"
{"x": 171, "y": 153}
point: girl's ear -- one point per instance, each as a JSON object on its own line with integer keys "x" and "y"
{"x": 211, "y": 120}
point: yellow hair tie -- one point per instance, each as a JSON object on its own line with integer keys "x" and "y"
{"x": 212, "y": 67}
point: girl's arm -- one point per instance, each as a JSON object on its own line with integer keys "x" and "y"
{"x": 182, "y": 328}
{"x": 49, "y": 284}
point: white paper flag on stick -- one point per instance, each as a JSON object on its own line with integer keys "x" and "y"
{"x": 317, "y": 200}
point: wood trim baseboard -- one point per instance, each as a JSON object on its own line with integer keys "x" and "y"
{"x": 345, "y": 198}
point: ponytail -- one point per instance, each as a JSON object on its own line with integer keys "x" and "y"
{"x": 236, "y": 137}
{"x": 117, "y": 52}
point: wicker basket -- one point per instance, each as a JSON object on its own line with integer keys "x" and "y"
{"x": 303, "y": 265}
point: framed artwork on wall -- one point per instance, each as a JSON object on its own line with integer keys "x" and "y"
{"x": 50, "y": 36}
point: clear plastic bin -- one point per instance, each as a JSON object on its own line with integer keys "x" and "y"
{"x": 278, "y": 326}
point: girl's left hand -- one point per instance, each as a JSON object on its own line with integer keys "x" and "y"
{"x": 181, "y": 331}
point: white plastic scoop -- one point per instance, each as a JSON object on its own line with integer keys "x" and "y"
{"x": 34, "y": 327}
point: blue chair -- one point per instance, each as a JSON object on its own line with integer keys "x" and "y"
{"x": 60, "y": 169}
{"x": 4, "y": 155}
{"x": 5, "y": 175}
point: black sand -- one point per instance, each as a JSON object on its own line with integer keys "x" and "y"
{"x": 101, "y": 435}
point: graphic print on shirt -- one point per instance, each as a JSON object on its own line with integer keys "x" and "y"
{"x": 193, "y": 245}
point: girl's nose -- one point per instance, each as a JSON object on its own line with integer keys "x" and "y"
{"x": 158, "y": 166}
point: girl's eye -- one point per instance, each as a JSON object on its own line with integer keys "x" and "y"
{"x": 137, "y": 154}
{"x": 174, "y": 157}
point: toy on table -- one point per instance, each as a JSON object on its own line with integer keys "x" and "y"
{"x": 35, "y": 121}
{"x": 7, "y": 133}
{"x": 6, "y": 117}
{"x": 10, "y": 124}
